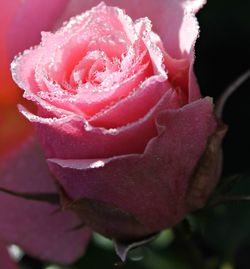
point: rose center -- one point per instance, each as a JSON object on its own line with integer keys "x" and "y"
{"x": 93, "y": 69}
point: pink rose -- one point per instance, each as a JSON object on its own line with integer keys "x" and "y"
{"x": 120, "y": 116}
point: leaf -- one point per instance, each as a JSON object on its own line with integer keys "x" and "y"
{"x": 226, "y": 227}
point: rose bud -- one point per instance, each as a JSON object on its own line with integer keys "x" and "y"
{"x": 130, "y": 141}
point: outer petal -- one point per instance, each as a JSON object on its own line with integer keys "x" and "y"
{"x": 39, "y": 228}
{"x": 131, "y": 182}
{"x": 30, "y": 18}
{"x": 22, "y": 21}
{"x": 208, "y": 171}
{"x": 5, "y": 260}
{"x": 20, "y": 25}
{"x": 80, "y": 139}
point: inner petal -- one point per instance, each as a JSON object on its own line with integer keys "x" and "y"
{"x": 102, "y": 57}
{"x": 93, "y": 61}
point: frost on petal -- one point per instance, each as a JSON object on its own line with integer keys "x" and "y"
{"x": 174, "y": 21}
{"x": 80, "y": 138}
{"x": 167, "y": 17}
{"x": 133, "y": 107}
{"x": 95, "y": 60}
{"x": 49, "y": 233}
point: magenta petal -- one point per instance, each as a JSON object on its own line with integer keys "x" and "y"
{"x": 5, "y": 261}
{"x": 30, "y": 18}
{"x": 38, "y": 227}
{"x": 161, "y": 174}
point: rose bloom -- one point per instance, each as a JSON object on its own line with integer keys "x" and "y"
{"x": 120, "y": 116}
{"x": 129, "y": 140}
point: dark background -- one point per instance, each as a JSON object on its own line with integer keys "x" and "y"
{"x": 222, "y": 55}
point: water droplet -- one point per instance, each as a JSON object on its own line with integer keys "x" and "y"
{"x": 15, "y": 252}
{"x": 97, "y": 164}
{"x": 88, "y": 127}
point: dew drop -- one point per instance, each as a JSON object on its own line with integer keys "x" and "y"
{"x": 97, "y": 164}
{"x": 88, "y": 127}
{"x": 15, "y": 252}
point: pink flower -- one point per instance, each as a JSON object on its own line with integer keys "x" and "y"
{"x": 120, "y": 116}
{"x": 39, "y": 228}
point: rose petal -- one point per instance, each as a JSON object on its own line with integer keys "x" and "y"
{"x": 208, "y": 171}
{"x": 80, "y": 138}
{"x": 5, "y": 261}
{"x": 152, "y": 176}
{"x": 26, "y": 27}
{"x": 29, "y": 79}
{"x": 42, "y": 77}
{"x": 133, "y": 107}
{"x": 38, "y": 227}
{"x": 18, "y": 21}
{"x": 173, "y": 20}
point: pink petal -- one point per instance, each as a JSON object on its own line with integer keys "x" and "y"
{"x": 38, "y": 227}
{"x": 131, "y": 182}
{"x": 30, "y": 18}
{"x": 5, "y": 261}
{"x": 133, "y": 107}
{"x": 20, "y": 24}
{"x": 31, "y": 71}
{"x": 174, "y": 21}
{"x": 80, "y": 138}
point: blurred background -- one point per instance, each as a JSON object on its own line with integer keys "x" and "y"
{"x": 222, "y": 55}
{"x": 217, "y": 237}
